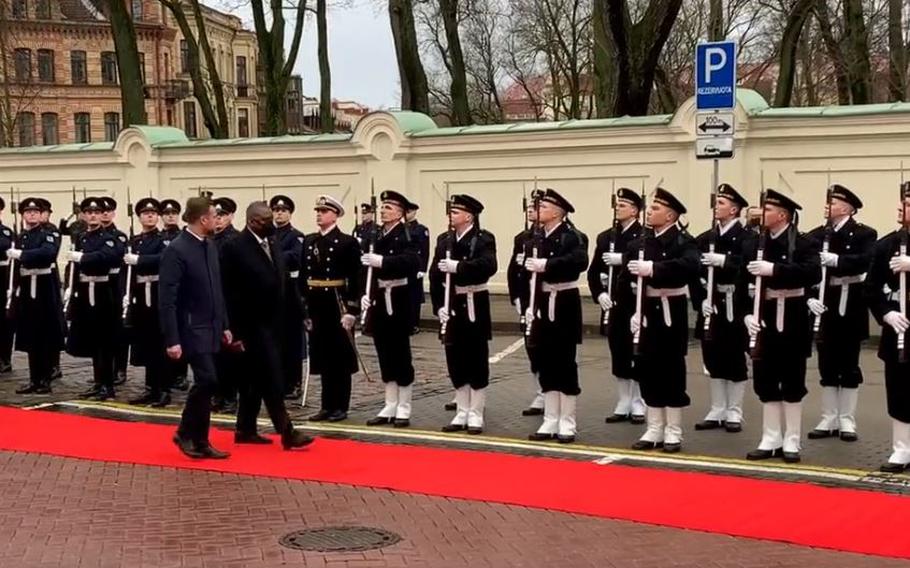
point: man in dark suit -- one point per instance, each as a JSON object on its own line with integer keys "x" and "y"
{"x": 194, "y": 320}
{"x": 257, "y": 294}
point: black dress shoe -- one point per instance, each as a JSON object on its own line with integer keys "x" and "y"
{"x": 755, "y": 455}
{"x": 250, "y": 438}
{"x": 43, "y": 388}
{"x": 181, "y": 384}
{"x": 319, "y": 416}
{"x": 532, "y": 412}
{"x": 104, "y": 393}
{"x": 672, "y": 448}
{"x": 147, "y": 398}
{"x": 92, "y": 392}
{"x": 791, "y": 457}
{"x": 337, "y": 416}
{"x": 637, "y": 419}
{"x": 120, "y": 379}
{"x": 616, "y": 418}
{"x": 401, "y": 422}
{"x": 645, "y": 445}
{"x": 188, "y": 447}
{"x": 892, "y": 467}
{"x": 161, "y": 400}
{"x": 733, "y": 427}
{"x": 709, "y": 425}
{"x": 5, "y": 367}
{"x": 230, "y": 407}
{"x": 207, "y": 451}
{"x": 451, "y": 406}
{"x": 379, "y": 421}
{"x": 454, "y": 427}
{"x": 295, "y": 394}
{"x": 849, "y": 436}
{"x": 538, "y": 437}
{"x": 565, "y": 439}
{"x": 56, "y": 373}
{"x": 474, "y": 430}
{"x": 820, "y": 434}
{"x": 295, "y": 439}
{"x": 27, "y": 389}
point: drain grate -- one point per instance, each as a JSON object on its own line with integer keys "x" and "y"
{"x": 339, "y": 539}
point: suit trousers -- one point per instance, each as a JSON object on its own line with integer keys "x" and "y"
{"x": 336, "y": 391}
{"x": 197, "y": 411}
{"x": 262, "y": 382}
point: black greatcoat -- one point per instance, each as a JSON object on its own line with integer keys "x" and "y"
{"x": 289, "y": 242}
{"x": 467, "y": 342}
{"x": 6, "y": 324}
{"x": 39, "y": 323}
{"x": 619, "y": 335}
{"x": 145, "y": 331}
{"x": 96, "y": 323}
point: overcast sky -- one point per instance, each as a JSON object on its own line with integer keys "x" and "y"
{"x": 361, "y": 52}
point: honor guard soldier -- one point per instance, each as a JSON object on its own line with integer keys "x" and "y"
{"x": 290, "y": 242}
{"x": 51, "y": 228}
{"x": 108, "y": 212}
{"x": 227, "y": 362}
{"x": 147, "y": 347}
{"x": 465, "y": 259}
{"x": 331, "y": 277}
{"x": 7, "y": 241}
{"x": 888, "y": 292}
{"x": 619, "y": 307}
{"x": 170, "y": 221}
{"x": 720, "y": 327}
{"x": 393, "y": 262}
{"x": 846, "y": 255}
{"x": 367, "y": 223}
{"x": 96, "y": 325}
{"x": 421, "y": 236}
{"x": 662, "y": 263}
{"x": 36, "y": 306}
{"x": 554, "y": 316}
{"x": 788, "y": 265}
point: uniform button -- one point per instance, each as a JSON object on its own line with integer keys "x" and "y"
{"x": 331, "y": 249}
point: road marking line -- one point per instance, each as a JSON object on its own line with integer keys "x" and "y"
{"x": 507, "y": 351}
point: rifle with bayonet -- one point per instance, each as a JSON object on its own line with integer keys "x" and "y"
{"x": 129, "y": 250}
{"x": 447, "y": 302}
{"x": 536, "y": 229}
{"x": 613, "y": 240}
{"x": 11, "y": 287}
{"x": 712, "y": 246}
{"x": 754, "y": 343}
{"x": 902, "y": 276}
{"x": 640, "y": 287}
{"x": 369, "y": 283}
{"x": 826, "y": 245}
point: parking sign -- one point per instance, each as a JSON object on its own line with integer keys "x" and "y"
{"x": 715, "y": 75}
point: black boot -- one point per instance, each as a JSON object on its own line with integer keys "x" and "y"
{"x": 180, "y": 383}
{"x": 91, "y": 392}
{"x": 292, "y": 438}
{"x": 27, "y": 389}
{"x": 44, "y": 387}
{"x": 104, "y": 393}
{"x": 146, "y": 398}
{"x": 120, "y": 379}
{"x": 162, "y": 400}
{"x": 56, "y": 373}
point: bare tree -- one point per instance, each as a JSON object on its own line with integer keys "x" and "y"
{"x": 716, "y": 21}
{"x": 897, "y": 51}
{"x": 483, "y": 41}
{"x": 18, "y": 90}
{"x": 833, "y": 48}
{"x": 326, "y": 118}
{"x": 789, "y": 45}
{"x": 132, "y": 92}
{"x": 455, "y": 62}
{"x": 414, "y": 87}
{"x": 856, "y": 44}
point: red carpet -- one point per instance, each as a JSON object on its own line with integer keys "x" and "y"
{"x": 839, "y": 519}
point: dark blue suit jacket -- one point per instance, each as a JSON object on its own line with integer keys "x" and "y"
{"x": 190, "y": 298}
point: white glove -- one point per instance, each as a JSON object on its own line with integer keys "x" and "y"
{"x": 66, "y": 296}
{"x": 612, "y": 258}
{"x": 529, "y": 315}
{"x": 448, "y": 266}
{"x": 14, "y": 253}
{"x": 713, "y": 259}
{"x": 752, "y": 325}
{"x": 816, "y": 307}
{"x": 126, "y": 302}
{"x": 635, "y": 324}
{"x": 520, "y": 259}
{"x": 347, "y": 322}
{"x": 517, "y": 304}
{"x": 760, "y": 268}
{"x": 900, "y": 264}
{"x": 131, "y": 259}
{"x": 642, "y": 268}
{"x": 365, "y": 303}
{"x": 829, "y": 259}
{"x": 443, "y": 315}
{"x": 536, "y": 264}
{"x": 419, "y": 274}
{"x": 75, "y": 256}
{"x": 605, "y": 302}
{"x": 371, "y": 259}
{"x": 897, "y": 321}
{"x": 707, "y": 309}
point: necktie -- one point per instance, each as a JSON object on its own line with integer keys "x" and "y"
{"x": 266, "y": 248}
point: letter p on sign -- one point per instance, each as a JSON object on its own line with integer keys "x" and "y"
{"x": 715, "y": 75}
{"x": 715, "y": 60}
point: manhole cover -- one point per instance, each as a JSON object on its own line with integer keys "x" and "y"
{"x": 339, "y": 539}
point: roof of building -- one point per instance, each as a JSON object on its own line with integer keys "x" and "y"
{"x": 83, "y": 10}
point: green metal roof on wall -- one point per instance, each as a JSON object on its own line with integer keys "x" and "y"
{"x": 89, "y": 147}
{"x": 572, "y": 124}
{"x": 286, "y": 139}
{"x": 835, "y": 110}
{"x": 160, "y": 135}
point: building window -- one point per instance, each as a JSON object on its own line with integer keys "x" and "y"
{"x": 108, "y": 68}
{"x": 25, "y": 123}
{"x": 137, "y": 10}
{"x": 142, "y": 68}
{"x": 23, "y": 64}
{"x": 49, "y": 135}
{"x": 242, "y": 88}
{"x": 78, "y": 68}
{"x": 189, "y": 118}
{"x": 46, "y": 65}
{"x": 184, "y": 57}
{"x": 111, "y": 126}
{"x": 243, "y": 123}
{"x": 20, "y": 9}
{"x": 83, "y": 122}
{"x": 43, "y": 9}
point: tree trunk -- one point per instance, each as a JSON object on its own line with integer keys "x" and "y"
{"x": 859, "y": 67}
{"x": 716, "y": 21}
{"x": 212, "y": 69}
{"x": 326, "y": 119}
{"x": 132, "y": 93}
{"x": 666, "y": 100}
{"x": 276, "y": 69}
{"x": 604, "y": 69}
{"x": 805, "y": 56}
{"x": 458, "y": 88}
{"x": 638, "y": 48}
{"x": 7, "y": 118}
{"x": 415, "y": 91}
{"x": 834, "y": 52}
{"x": 789, "y": 45}
{"x": 897, "y": 65}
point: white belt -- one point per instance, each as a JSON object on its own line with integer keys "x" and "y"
{"x": 388, "y": 286}
{"x": 844, "y": 282}
{"x": 114, "y": 271}
{"x": 470, "y": 290}
{"x": 92, "y": 280}
{"x": 147, "y": 280}
{"x": 781, "y": 297}
{"x": 553, "y": 290}
{"x": 665, "y": 294}
{"x": 728, "y": 290}
{"x": 4, "y": 262}
{"x": 294, "y": 274}
{"x": 33, "y": 274}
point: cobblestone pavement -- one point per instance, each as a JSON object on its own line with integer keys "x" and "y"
{"x": 67, "y": 513}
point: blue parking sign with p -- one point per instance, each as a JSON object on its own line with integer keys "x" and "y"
{"x": 715, "y": 75}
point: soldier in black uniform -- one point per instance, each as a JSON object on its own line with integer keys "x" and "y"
{"x": 147, "y": 347}
{"x": 170, "y": 221}
{"x": 421, "y": 236}
{"x": 555, "y": 317}
{"x": 789, "y": 267}
{"x": 611, "y": 244}
{"x": 884, "y": 293}
{"x": 96, "y": 308}
{"x": 663, "y": 261}
{"x": 108, "y": 212}
{"x": 725, "y": 344}
{"x": 51, "y": 228}
{"x": 290, "y": 242}
{"x": 844, "y": 312}
{"x": 331, "y": 277}
{"x": 366, "y": 225}
{"x": 468, "y": 253}
{"x": 394, "y": 261}
{"x": 7, "y": 240}
{"x": 36, "y": 307}
{"x": 227, "y": 362}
